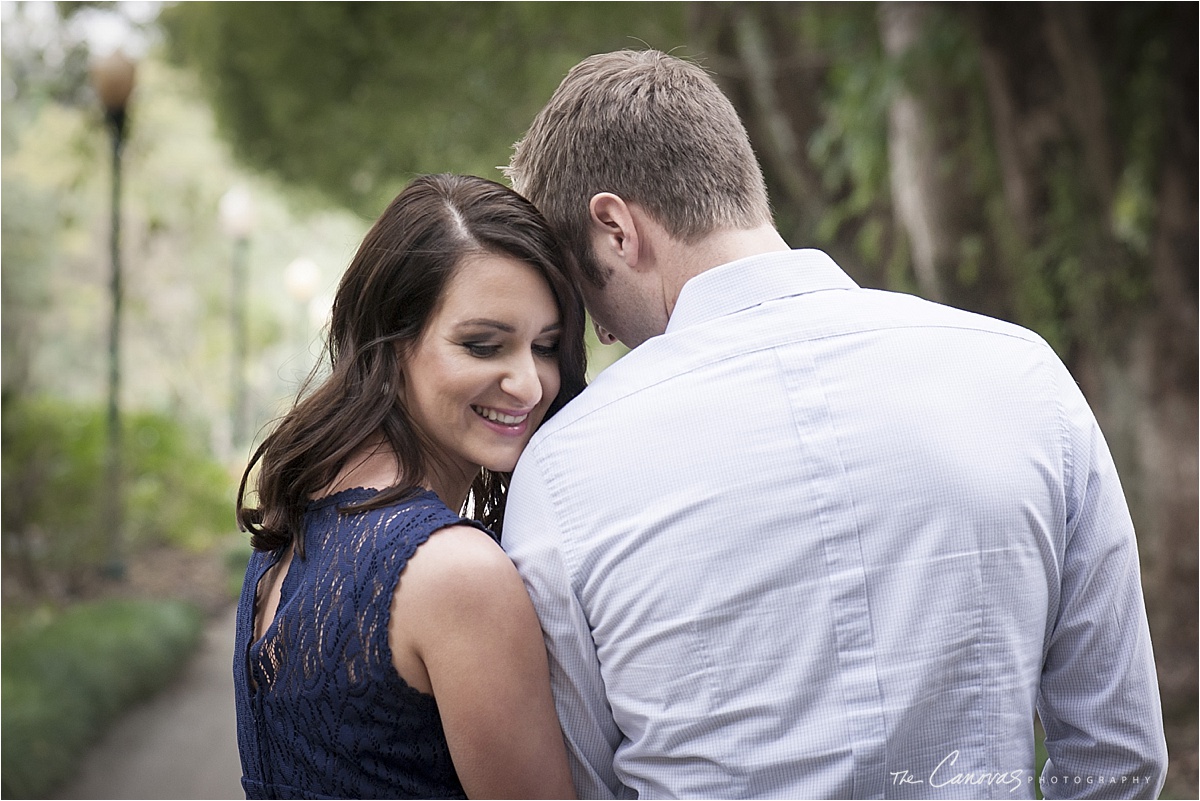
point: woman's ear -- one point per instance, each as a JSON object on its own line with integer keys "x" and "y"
{"x": 614, "y": 231}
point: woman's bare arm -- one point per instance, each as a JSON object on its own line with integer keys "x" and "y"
{"x": 463, "y": 627}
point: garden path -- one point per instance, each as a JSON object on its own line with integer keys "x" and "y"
{"x": 182, "y": 744}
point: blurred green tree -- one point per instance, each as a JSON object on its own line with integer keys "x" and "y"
{"x": 53, "y": 454}
{"x": 28, "y": 238}
{"x": 354, "y": 99}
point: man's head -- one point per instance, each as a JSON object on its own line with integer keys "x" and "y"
{"x": 651, "y": 129}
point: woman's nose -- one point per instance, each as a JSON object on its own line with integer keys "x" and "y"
{"x": 522, "y": 382}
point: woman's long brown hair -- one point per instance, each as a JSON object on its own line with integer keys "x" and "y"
{"x": 382, "y": 306}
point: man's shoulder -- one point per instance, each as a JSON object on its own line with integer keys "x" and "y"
{"x": 884, "y": 309}
{"x": 612, "y": 395}
{"x": 650, "y": 375}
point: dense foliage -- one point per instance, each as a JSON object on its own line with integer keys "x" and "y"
{"x": 66, "y": 676}
{"x": 53, "y": 480}
{"x": 354, "y": 99}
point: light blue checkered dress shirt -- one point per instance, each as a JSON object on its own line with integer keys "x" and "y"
{"x": 817, "y": 541}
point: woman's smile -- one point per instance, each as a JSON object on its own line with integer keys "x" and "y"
{"x": 506, "y": 422}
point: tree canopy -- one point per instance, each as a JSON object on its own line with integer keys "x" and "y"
{"x": 354, "y": 99}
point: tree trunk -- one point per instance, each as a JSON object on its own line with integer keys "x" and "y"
{"x": 918, "y": 190}
{"x": 1070, "y": 46}
{"x": 781, "y": 144}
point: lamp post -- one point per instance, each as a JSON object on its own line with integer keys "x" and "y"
{"x": 237, "y": 218}
{"x": 113, "y": 79}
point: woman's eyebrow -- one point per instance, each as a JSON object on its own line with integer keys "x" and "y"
{"x": 484, "y": 322}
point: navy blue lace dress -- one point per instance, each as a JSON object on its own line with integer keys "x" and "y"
{"x": 321, "y": 711}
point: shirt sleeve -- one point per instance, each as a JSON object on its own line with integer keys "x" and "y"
{"x": 534, "y": 541}
{"x": 1099, "y": 701}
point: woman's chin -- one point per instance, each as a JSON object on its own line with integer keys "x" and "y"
{"x": 501, "y": 466}
{"x": 502, "y": 463}
{"x": 501, "y": 457}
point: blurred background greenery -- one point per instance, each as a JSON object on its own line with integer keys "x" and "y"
{"x": 1035, "y": 162}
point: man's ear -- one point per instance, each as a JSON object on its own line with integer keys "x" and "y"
{"x": 614, "y": 228}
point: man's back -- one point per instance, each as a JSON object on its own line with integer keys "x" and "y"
{"x": 817, "y": 541}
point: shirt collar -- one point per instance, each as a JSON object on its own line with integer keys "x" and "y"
{"x": 748, "y": 282}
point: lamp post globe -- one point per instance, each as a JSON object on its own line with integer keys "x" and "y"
{"x": 237, "y": 212}
{"x": 301, "y": 278}
{"x": 113, "y": 79}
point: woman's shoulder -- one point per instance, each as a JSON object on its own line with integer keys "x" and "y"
{"x": 460, "y": 566}
{"x": 463, "y": 550}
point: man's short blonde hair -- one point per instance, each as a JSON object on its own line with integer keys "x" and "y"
{"x": 651, "y": 128}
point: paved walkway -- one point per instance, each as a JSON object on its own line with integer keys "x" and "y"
{"x": 182, "y": 744}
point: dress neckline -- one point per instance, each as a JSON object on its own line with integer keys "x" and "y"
{"x": 357, "y": 495}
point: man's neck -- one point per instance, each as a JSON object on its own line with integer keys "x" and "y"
{"x": 719, "y": 248}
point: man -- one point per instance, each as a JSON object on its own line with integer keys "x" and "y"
{"x": 807, "y": 540}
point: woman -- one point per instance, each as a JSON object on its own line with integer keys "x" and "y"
{"x": 385, "y": 645}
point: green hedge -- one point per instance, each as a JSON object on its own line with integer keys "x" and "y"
{"x": 54, "y": 532}
{"x": 66, "y": 676}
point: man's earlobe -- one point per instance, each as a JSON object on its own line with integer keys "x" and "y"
{"x": 605, "y": 336}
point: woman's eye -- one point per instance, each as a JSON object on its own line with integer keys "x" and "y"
{"x": 481, "y": 349}
{"x": 546, "y": 350}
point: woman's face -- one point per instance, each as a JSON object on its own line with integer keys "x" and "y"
{"x": 480, "y": 378}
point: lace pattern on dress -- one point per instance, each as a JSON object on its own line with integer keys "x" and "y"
{"x": 322, "y": 711}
